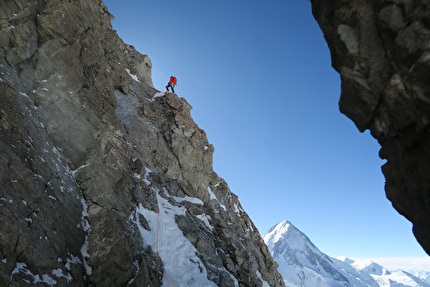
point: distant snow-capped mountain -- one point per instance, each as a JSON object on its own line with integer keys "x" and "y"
{"x": 302, "y": 264}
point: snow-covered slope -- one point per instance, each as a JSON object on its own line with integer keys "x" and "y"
{"x": 417, "y": 266}
{"x": 301, "y": 263}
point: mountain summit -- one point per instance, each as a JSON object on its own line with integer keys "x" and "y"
{"x": 301, "y": 263}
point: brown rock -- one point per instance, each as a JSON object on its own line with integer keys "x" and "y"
{"x": 88, "y": 155}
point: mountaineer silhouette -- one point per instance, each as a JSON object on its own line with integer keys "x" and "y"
{"x": 171, "y": 84}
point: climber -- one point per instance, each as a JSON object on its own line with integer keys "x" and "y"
{"x": 171, "y": 84}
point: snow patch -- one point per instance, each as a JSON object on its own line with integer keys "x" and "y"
{"x": 73, "y": 172}
{"x": 211, "y": 194}
{"x": 189, "y": 199}
{"x": 59, "y": 274}
{"x": 236, "y": 284}
{"x": 133, "y": 76}
{"x": 146, "y": 176}
{"x": 205, "y": 219}
{"x": 223, "y": 206}
{"x": 265, "y": 284}
{"x": 72, "y": 260}
{"x": 237, "y": 210}
{"x": 159, "y": 94}
{"x": 182, "y": 267}
{"x": 44, "y": 278}
{"x": 87, "y": 228}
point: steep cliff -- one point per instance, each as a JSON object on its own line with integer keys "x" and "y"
{"x": 381, "y": 50}
{"x": 104, "y": 181}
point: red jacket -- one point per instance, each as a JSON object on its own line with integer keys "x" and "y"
{"x": 173, "y": 80}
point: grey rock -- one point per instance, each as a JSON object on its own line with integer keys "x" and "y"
{"x": 383, "y": 60}
{"x": 88, "y": 155}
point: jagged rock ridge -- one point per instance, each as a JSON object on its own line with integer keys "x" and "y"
{"x": 94, "y": 166}
{"x": 381, "y": 51}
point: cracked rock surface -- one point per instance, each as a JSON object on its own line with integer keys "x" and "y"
{"x": 97, "y": 167}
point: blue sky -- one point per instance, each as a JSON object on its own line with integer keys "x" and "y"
{"x": 258, "y": 75}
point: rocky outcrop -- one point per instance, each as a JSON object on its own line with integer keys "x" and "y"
{"x": 381, "y": 51}
{"x": 103, "y": 180}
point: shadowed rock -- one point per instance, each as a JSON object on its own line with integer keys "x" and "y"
{"x": 381, "y": 51}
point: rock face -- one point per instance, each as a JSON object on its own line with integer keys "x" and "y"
{"x": 104, "y": 181}
{"x": 381, "y": 50}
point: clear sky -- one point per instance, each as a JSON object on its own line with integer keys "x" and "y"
{"x": 258, "y": 75}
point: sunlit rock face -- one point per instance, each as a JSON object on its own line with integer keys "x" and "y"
{"x": 104, "y": 181}
{"x": 381, "y": 50}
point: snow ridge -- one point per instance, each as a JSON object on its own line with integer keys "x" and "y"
{"x": 301, "y": 263}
